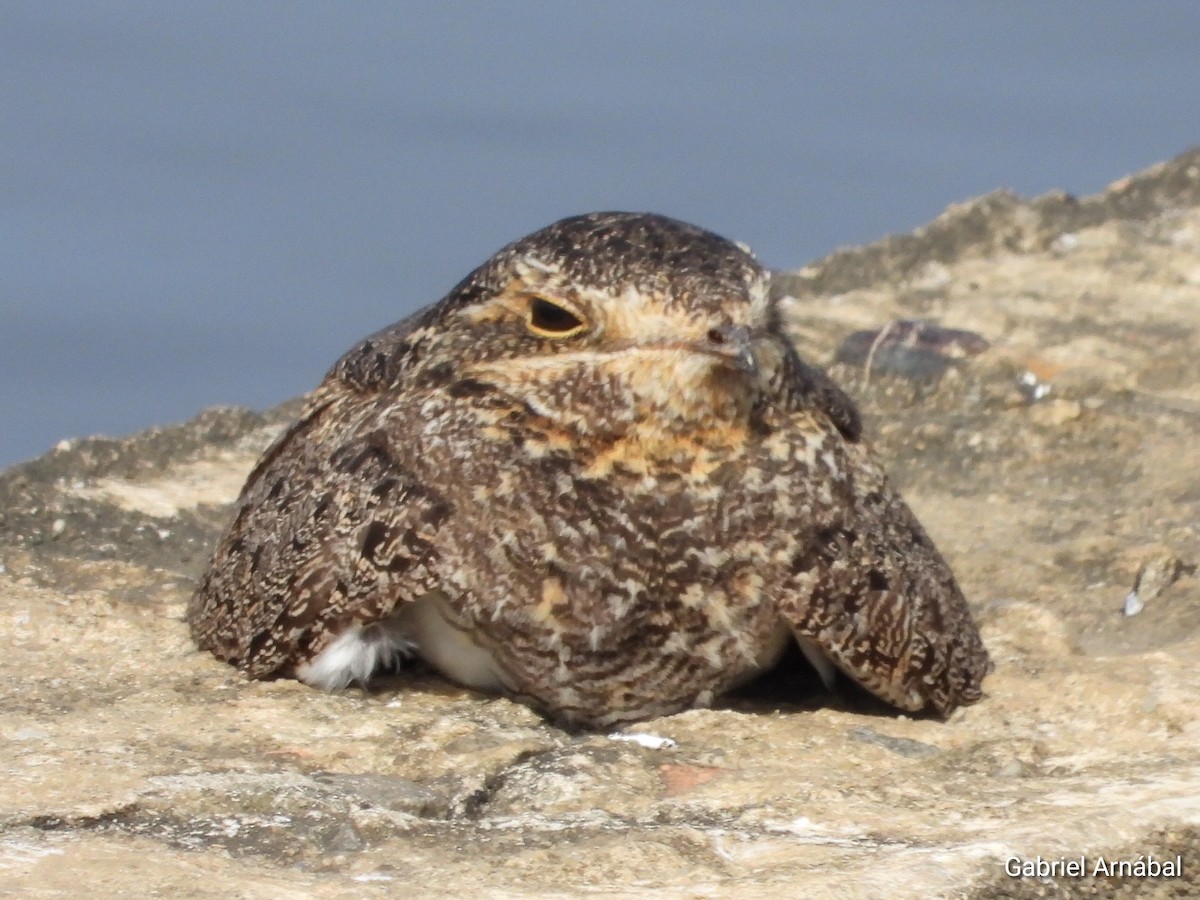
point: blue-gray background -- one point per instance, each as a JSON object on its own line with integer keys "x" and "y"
{"x": 206, "y": 203}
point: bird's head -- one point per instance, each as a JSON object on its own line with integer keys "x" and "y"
{"x": 609, "y": 319}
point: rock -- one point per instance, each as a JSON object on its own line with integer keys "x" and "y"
{"x": 1055, "y": 412}
{"x": 908, "y": 348}
{"x": 1157, "y": 572}
{"x": 132, "y": 763}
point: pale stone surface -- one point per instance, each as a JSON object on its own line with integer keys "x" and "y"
{"x": 131, "y": 764}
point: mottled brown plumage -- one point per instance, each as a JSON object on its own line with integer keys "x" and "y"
{"x": 595, "y": 476}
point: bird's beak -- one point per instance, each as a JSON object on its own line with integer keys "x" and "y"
{"x": 733, "y": 345}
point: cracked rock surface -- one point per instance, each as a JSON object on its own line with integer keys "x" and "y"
{"x": 1054, "y": 470}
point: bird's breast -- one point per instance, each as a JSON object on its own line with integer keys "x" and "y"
{"x": 601, "y": 571}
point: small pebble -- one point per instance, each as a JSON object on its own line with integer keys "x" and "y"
{"x": 1011, "y": 769}
{"x": 1033, "y": 388}
{"x": 373, "y": 876}
{"x": 1056, "y": 412}
{"x": 1156, "y": 573}
{"x": 643, "y": 739}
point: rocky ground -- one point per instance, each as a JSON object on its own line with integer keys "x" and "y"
{"x": 1056, "y": 470}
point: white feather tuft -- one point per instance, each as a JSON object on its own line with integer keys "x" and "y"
{"x": 356, "y": 655}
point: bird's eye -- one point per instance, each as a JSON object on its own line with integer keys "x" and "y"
{"x": 548, "y": 319}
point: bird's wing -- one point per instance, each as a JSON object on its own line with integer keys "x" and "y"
{"x": 870, "y": 589}
{"x": 330, "y": 530}
{"x": 804, "y": 387}
{"x": 876, "y": 597}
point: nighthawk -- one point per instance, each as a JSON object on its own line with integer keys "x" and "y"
{"x": 596, "y": 477}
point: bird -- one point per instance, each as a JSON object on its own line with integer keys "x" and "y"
{"x": 596, "y": 477}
